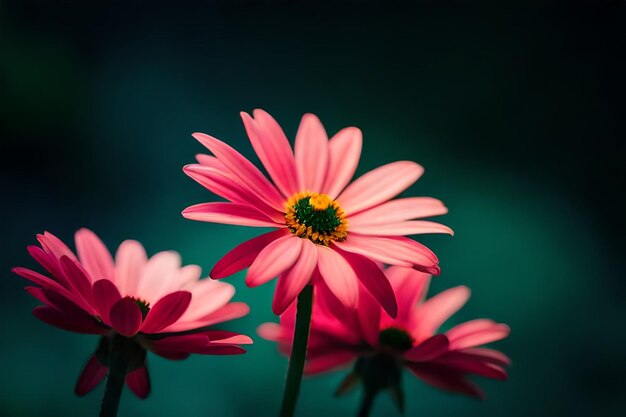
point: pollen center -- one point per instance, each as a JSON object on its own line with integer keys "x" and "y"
{"x": 143, "y": 305}
{"x": 395, "y": 338}
{"x": 316, "y": 217}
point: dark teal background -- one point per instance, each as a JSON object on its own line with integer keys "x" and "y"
{"x": 512, "y": 111}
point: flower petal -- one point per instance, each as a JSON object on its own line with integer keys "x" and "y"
{"x": 225, "y": 186}
{"x": 379, "y": 185}
{"x": 428, "y": 349}
{"x": 374, "y": 280}
{"x": 55, "y": 246}
{"x": 230, "y": 311}
{"x": 105, "y": 295}
{"x": 392, "y": 250}
{"x": 273, "y": 260}
{"x": 139, "y": 382}
{"x": 491, "y": 332}
{"x": 223, "y": 336}
{"x": 331, "y": 361}
{"x": 244, "y": 170}
{"x": 292, "y": 281}
{"x": 430, "y": 315}
{"x": 90, "y": 377}
{"x": 57, "y": 318}
{"x": 272, "y": 147}
{"x": 228, "y": 213}
{"x": 207, "y": 296}
{"x": 445, "y": 379}
{"x": 94, "y": 256}
{"x": 158, "y": 277}
{"x": 338, "y": 276}
{"x": 399, "y": 210}
{"x": 185, "y": 343}
{"x": 130, "y": 259}
{"x": 472, "y": 365}
{"x": 411, "y": 227}
{"x": 125, "y": 317}
{"x": 221, "y": 350}
{"x": 344, "y": 150}
{"x": 244, "y": 254}
{"x": 410, "y": 287}
{"x": 49, "y": 284}
{"x": 77, "y": 277}
{"x": 311, "y": 150}
{"x": 166, "y": 311}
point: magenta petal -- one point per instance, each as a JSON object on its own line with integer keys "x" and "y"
{"x": 166, "y": 311}
{"x": 105, "y": 294}
{"x": 57, "y": 318}
{"x": 77, "y": 278}
{"x": 92, "y": 374}
{"x": 221, "y": 350}
{"x": 126, "y": 317}
{"x": 374, "y": 280}
{"x": 185, "y": 343}
{"x": 445, "y": 379}
{"x": 428, "y": 349}
{"x": 243, "y": 255}
{"x": 139, "y": 382}
{"x": 474, "y": 366}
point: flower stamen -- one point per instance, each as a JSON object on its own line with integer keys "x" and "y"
{"x": 316, "y": 217}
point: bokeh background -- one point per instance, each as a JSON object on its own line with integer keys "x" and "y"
{"x": 514, "y": 112}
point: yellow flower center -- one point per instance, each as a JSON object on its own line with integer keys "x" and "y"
{"x": 316, "y": 217}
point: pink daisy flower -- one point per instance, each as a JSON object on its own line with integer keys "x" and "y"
{"x": 328, "y": 230}
{"x": 382, "y": 345}
{"x": 134, "y": 302}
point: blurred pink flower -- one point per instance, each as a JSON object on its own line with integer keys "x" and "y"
{"x": 328, "y": 231}
{"x": 153, "y": 302}
{"x": 338, "y": 337}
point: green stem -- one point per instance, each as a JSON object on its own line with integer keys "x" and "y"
{"x": 366, "y": 405}
{"x": 118, "y": 365}
{"x": 298, "y": 352}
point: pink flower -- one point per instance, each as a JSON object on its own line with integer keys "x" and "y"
{"x": 329, "y": 232}
{"x": 370, "y": 336}
{"x": 153, "y": 303}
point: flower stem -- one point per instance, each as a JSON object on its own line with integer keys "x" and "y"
{"x": 118, "y": 365}
{"x": 366, "y": 405}
{"x": 298, "y": 352}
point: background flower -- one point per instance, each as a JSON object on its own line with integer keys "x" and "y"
{"x": 159, "y": 305}
{"x": 411, "y": 340}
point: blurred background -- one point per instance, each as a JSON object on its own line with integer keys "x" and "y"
{"x": 512, "y": 111}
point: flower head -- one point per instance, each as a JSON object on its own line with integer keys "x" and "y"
{"x": 329, "y": 231}
{"x": 380, "y": 345}
{"x": 146, "y": 303}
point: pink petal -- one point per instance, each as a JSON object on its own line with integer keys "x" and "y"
{"x": 271, "y": 331}
{"x": 428, "y": 349}
{"x": 166, "y": 311}
{"x": 374, "y": 280}
{"x": 230, "y": 311}
{"x": 244, "y": 170}
{"x": 338, "y": 276}
{"x": 77, "y": 277}
{"x": 312, "y": 155}
{"x": 105, "y": 295}
{"x": 391, "y": 250}
{"x": 139, "y": 382}
{"x": 125, "y": 317}
{"x": 293, "y": 280}
{"x": 411, "y": 227}
{"x": 57, "y": 318}
{"x": 225, "y": 186}
{"x": 210, "y": 161}
{"x": 473, "y": 365}
{"x": 272, "y": 147}
{"x": 55, "y": 246}
{"x": 243, "y": 255}
{"x": 435, "y": 311}
{"x": 274, "y": 259}
{"x": 90, "y": 377}
{"x": 93, "y": 255}
{"x": 223, "y": 336}
{"x": 493, "y": 333}
{"x": 369, "y": 313}
{"x": 159, "y": 276}
{"x": 331, "y": 361}
{"x": 186, "y": 343}
{"x": 489, "y": 355}
{"x": 228, "y": 213}
{"x": 410, "y": 287}
{"x": 207, "y": 296}
{"x": 50, "y": 262}
{"x": 399, "y": 210}
{"x": 130, "y": 260}
{"x": 445, "y": 379}
{"x": 344, "y": 151}
{"x": 379, "y": 185}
